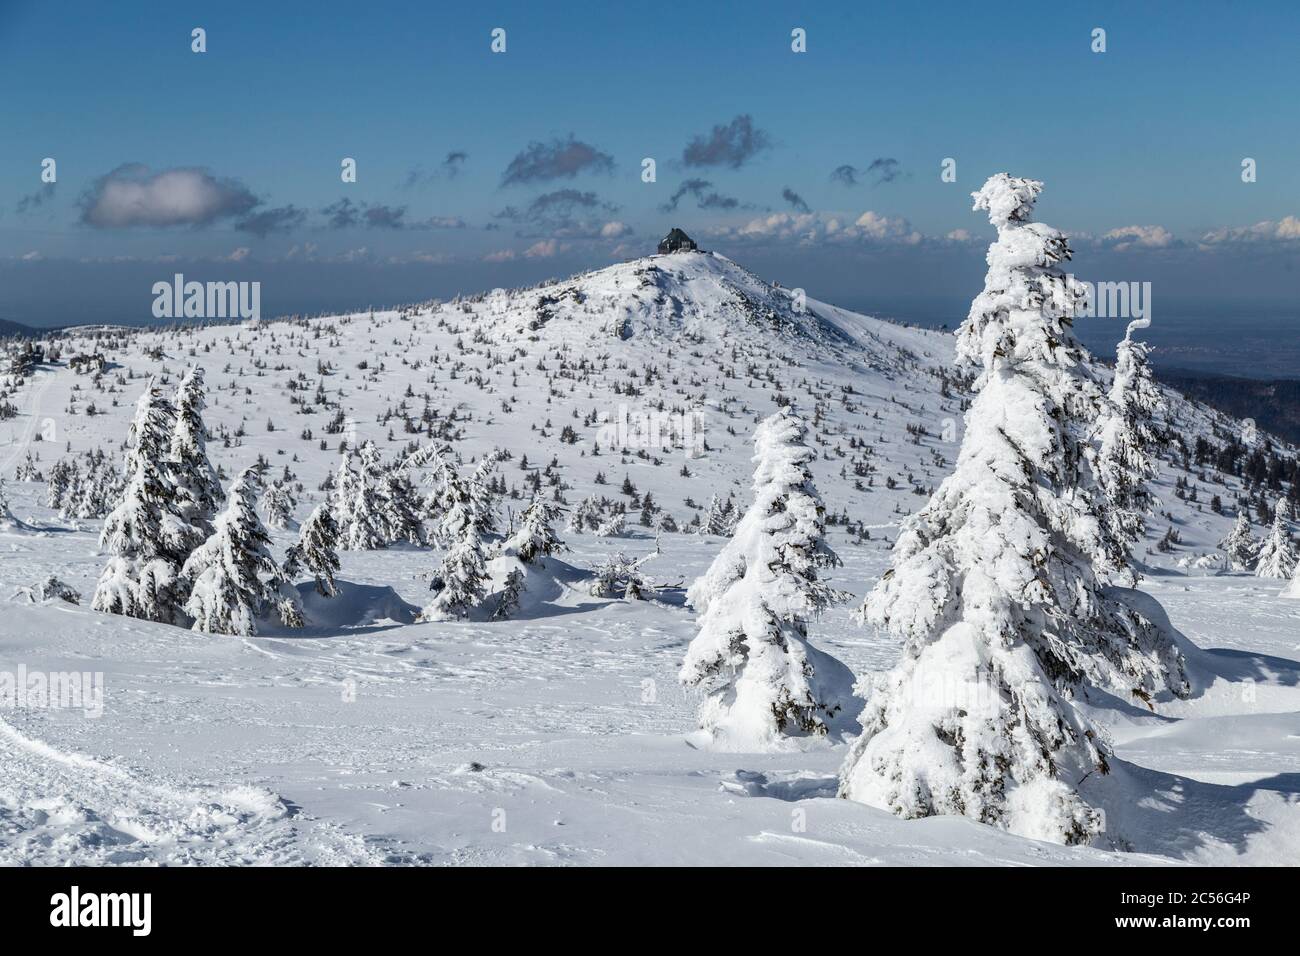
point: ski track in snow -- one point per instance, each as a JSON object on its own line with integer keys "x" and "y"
{"x": 58, "y": 807}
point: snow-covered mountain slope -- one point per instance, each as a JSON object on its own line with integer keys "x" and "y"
{"x": 401, "y": 741}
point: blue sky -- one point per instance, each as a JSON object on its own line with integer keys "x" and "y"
{"x": 1140, "y": 146}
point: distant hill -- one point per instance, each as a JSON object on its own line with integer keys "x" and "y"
{"x": 1274, "y": 404}
{"x": 8, "y": 329}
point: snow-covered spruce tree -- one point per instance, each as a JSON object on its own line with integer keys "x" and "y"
{"x": 585, "y": 517}
{"x": 1277, "y": 555}
{"x": 402, "y": 506}
{"x": 1240, "y": 545}
{"x": 508, "y": 601}
{"x": 360, "y": 508}
{"x": 535, "y": 538}
{"x": 147, "y": 539}
{"x": 62, "y": 474}
{"x": 232, "y": 577}
{"x": 460, "y": 582}
{"x": 277, "y": 505}
{"x": 316, "y": 551}
{"x": 482, "y": 497}
{"x": 751, "y": 655}
{"x": 198, "y": 490}
{"x": 7, "y": 519}
{"x": 993, "y": 589}
{"x": 719, "y": 518}
{"x": 614, "y": 526}
{"x": 1126, "y": 456}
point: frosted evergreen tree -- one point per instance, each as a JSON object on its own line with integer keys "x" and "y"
{"x": 460, "y": 582}
{"x": 1277, "y": 555}
{"x": 508, "y": 601}
{"x": 232, "y": 577}
{"x": 715, "y": 519}
{"x": 585, "y": 517}
{"x": 7, "y": 519}
{"x": 62, "y": 474}
{"x": 535, "y": 538}
{"x": 147, "y": 540}
{"x": 992, "y": 587}
{"x": 482, "y": 497}
{"x": 278, "y": 505}
{"x": 362, "y": 521}
{"x": 401, "y": 507}
{"x": 1240, "y": 545}
{"x": 27, "y": 471}
{"x": 316, "y": 551}
{"x": 614, "y": 526}
{"x": 1126, "y": 457}
{"x": 763, "y": 678}
{"x": 198, "y": 490}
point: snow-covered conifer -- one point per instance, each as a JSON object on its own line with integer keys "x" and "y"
{"x": 197, "y": 488}
{"x": 316, "y": 551}
{"x": 278, "y": 505}
{"x": 1240, "y": 545}
{"x": 361, "y": 522}
{"x": 460, "y": 583}
{"x": 232, "y": 577}
{"x": 401, "y": 507}
{"x": 1277, "y": 555}
{"x": 752, "y": 655}
{"x": 508, "y": 601}
{"x": 1126, "y": 456}
{"x": 535, "y": 537}
{"x": 584, "y": 517}
{"x": 993, "y": 589}
{"x": 147, "y": 540}
{"x": 614, "y": 526}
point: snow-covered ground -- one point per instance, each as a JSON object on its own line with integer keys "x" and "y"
{"x": 562, "y": 736}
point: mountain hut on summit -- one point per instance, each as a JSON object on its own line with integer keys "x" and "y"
{"x": 676, "y": 241}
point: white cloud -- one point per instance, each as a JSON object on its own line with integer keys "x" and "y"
{"x": 545, "y": 249}
{"x": 615, "y": 229}
{"x": 1286, "y": 229}
{"x": 132, "y": 195}
{"x": 813, "y": 228}
{"x": 1148, "y": 237}
{"x": 501, "y": 255}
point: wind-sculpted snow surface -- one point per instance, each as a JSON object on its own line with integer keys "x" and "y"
{"x": 557, "y": 732}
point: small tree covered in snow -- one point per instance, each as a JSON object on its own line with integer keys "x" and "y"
{"x": 278, "y": 505}
{"x": 233, "y": 578}
{"x": 752, "y": 654}
{"x": 536, "y": 538}
{"x": 360, "y": 503}
{"x": 1277, "y": 555}
{"x": 1126, "y": 458}
{"x": 7, "y": 519}
{"x": 993, "y": 589}
{"x": 1240, "y": 545}
{"x": 148, "y": 541}
{"x": 719, "y": 518}
{"x": 614, "y": 526}
{"x": 198, "y": 490}
{"x": 316, "y": 551}
{"x": 508, "y": 601}
{"x": 585, "y": 517}
{"x": 482, "y": 497}
{"x": 621, "y": 576}
{"x": 401, "y": 508}
{"x": 460, "y": 583}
